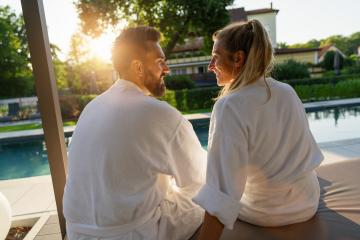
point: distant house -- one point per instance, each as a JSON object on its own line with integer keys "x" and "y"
{"x": 303, "y": 55}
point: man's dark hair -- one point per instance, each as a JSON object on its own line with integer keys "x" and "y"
{"x": 135, "y": 36}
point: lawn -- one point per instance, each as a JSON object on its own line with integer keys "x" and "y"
{"x": 29, "y": 126}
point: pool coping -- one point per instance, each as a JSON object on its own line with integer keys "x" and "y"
{"x": 309, "y": 107}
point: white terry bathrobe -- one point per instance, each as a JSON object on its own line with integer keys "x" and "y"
{"x": 134, "y": 165}
{"x": 261, "y": 157}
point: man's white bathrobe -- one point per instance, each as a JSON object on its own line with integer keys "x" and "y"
{"x": 261, "y": 158}
{"x": 134, "y": 165}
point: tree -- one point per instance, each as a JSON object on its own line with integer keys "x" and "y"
{"x": 328, "y": 62}
{"x": 313, "y": 43}
{"x": 340, "y": 42}
{"x": 176, "y": 19}
{"x": 282, "y": 45}
{"x": 15, "y": 73}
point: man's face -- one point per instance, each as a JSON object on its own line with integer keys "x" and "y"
{"x": 155, "y": 68}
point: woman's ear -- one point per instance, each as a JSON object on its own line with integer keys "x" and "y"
{"x": 239, "y": 59}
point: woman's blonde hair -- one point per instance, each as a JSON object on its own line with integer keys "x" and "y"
{"x": 252, "y": 38}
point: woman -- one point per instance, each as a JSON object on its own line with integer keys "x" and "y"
{"x": 261, "y": 153}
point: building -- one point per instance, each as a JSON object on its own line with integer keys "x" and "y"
{"x": 303, "y": 55}
{"x": 187, "y": 58}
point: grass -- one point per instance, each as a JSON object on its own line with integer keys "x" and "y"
{"x": 29, "y": 126}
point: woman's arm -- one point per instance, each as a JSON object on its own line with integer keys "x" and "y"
{"x": 211, "y": 229}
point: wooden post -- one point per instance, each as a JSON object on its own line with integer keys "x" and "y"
{"x": 43, "y": 70}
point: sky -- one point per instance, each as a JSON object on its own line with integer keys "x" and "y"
{"x": 297, "y": 21}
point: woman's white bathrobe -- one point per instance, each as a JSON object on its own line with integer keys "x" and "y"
{"x": 261, "y": 157}
{"x": 126, "y": 154}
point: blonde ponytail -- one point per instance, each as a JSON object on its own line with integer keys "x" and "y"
{"x": 252, "y": 38}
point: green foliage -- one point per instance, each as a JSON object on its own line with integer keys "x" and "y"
{"x": 290, "y": 70}
{"x": 333, "y": 79}
{"x": 347, "y": 44}
{"x": 89, "y": 77}
{"x": 177, "y": 82}
{"x": 310, "y": 44}
{"x": 71, "y": 106}
{"x": 202, "y": 98}
{"x": 328, "y": 62}
{"x": 191, "y": 99}
{"x": 282, "y": 45}
{"x": 354, "y": 69}
{"x": 340, "y": 42}
{"x": 15, "y": 75}
{"x": 320, "y": 92}
{"x": 176, "y": 19}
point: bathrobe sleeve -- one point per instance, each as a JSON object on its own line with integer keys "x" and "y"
{"x": 227, "y": 163}
{"x": 187, "y": 159}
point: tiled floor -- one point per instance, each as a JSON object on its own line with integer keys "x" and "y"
{"x": 29, "y": 195}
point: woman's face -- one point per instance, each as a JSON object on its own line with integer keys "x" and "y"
{"x": 221, "y": 64}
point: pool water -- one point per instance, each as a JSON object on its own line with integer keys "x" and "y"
{"x": 29, "y": 158}
{"x": 329, "y": 125}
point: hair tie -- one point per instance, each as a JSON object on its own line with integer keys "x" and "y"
{"x": 249, "y": 26}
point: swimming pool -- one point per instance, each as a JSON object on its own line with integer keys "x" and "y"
{"x": 29, "y": 158}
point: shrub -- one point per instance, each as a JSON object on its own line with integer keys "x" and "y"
{"x": 290, "y": 70}
{"x": 320, "y": 92}
{"x": 71, "y": 106}
{"x": 202, "y": 98}
{"x": 177, "y": 82}
{"x": 191, "y": 99}
{"x": 323, "y": 80}
{"x": 355, "y": 69}
{"x": 328, "y": 62}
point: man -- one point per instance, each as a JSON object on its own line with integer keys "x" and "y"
{"x": 134, "y": 161}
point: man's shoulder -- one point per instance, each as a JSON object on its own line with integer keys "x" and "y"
{"x": 160, "y": 108}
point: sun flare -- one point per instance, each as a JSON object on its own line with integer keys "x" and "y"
{"x": 101, "y": 47}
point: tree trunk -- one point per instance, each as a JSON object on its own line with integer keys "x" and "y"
{"x": 170, "y": 46}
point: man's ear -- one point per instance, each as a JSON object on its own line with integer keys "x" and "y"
{"x": 137, "y": 67}
{"x": 239, "y": 59}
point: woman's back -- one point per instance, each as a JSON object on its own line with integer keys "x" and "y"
{"x": 272, "y": 138}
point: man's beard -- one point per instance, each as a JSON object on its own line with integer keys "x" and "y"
{"x": 154, "y": 84}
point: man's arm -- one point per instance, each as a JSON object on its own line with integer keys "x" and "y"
{"x": 211, "y": 229}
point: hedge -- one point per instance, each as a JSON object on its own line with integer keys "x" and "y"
{"x": 203, "y": 98}
{"x": 322, "y": 80}
{"x": 322, "y": 92}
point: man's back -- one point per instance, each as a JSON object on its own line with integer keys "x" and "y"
{"x": 122, "y": 155}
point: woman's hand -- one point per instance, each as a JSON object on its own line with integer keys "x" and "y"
{"x": 211, "y": 229}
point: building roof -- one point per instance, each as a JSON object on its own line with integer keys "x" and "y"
{"x": 279, "y": 51}
{"x": 261, "y": 11}
{"x": 237, "y": 15}
{"x": 327, "y": 48}
{"x": 324, "y": 50}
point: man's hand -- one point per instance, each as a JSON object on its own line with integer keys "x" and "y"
{"x": 211, "y": 229}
